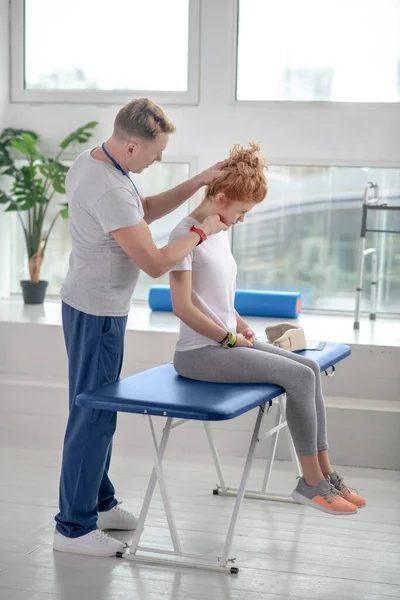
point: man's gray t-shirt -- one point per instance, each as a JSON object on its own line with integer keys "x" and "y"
{"x": 101, "y": 277}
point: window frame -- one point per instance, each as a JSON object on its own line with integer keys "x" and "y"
{"x": 288, "y": 104}
{"x": 18, "y": 93}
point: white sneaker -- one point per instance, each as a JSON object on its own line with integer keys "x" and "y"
{"x": 95, "y": 543}
{"x": 116, "y": 518}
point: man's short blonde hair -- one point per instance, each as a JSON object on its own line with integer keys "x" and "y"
{"x": 142, "y": 118}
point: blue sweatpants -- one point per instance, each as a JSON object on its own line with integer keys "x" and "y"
{"x": 95, "y": 347}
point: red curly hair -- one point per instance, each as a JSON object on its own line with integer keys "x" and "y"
{"x": 246, "y": 181}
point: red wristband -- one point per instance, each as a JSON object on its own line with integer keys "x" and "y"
{"x": 199, "y": 232}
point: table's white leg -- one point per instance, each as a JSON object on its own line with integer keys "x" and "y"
{"x": 272, "y": 444}
{"x": 242, "y": 488}
{"x": 150, "y": 488}
{"x": 163, "y": 489}
{"x": 214, "y": 452}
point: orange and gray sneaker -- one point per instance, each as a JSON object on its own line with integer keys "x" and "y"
{"x": 323, "y": 496}
{"x": 348, "y": 494}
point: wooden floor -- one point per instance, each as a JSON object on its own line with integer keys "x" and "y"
{"x": 285, "y": 551}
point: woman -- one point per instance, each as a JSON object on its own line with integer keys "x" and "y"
{"x": 215, "y": 344}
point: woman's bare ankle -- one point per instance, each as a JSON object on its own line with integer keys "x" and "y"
{"x": 324, "y": 462}
{"x": 311, "y": 470}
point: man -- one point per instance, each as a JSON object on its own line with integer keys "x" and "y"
{"x": 111, "y": 243}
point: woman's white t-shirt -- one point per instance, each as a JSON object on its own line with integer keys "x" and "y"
{"x": 213, "y": 283}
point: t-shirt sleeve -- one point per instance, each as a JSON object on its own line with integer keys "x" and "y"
{"x": 118, "y": 208}
{"x": 186, "y": 263}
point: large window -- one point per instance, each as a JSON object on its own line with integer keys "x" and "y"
{"x": 156, "y": 179}
{"x": 305, "y": 237}
{"x": 80, "y": 50}
{"x": 336, "y": 50}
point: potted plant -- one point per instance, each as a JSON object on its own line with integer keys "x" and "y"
{"x": 35, "y": 180}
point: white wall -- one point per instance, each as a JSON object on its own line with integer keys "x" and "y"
{"x": 345, "y": 134}
{"x": 4, "y": 56}
{"x": 4, "y": 110}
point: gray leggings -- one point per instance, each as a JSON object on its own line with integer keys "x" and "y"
{"x": 263, "y": 363}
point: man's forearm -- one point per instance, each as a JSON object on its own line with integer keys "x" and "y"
{"x": 156, "y": 207}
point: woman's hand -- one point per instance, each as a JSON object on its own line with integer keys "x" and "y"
{"x": 242, "y": 341}
{"x": 249, "y": 334}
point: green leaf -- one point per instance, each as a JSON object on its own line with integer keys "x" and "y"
{"x": 9, "y": 134}
{"x": 80, "y": 135}
{"x": 45, "y": 170}
{"x": 27, "y": 190}
{"x": 7, "y": 137}
{"x": 59, "y": 165}
{"x": 5, "y": 158}
{"x": 64, "y": 213}
{"x": 55, "y": 172}
{"x": 4, "y": 199}
{"x": 58, "y": 186}
{"x": 10, "y": 171}
{"x": 26, "y": 144}
{"x": 26, "y": 206}
{"x": 11, "y": 208}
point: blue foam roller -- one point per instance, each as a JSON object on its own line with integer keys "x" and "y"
{"x": 160, "y": 298}
{"x": 255, "y": 303}
{"x": 258, "y": 303}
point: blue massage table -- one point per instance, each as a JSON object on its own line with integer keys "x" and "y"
{"x": 160, "y": 392}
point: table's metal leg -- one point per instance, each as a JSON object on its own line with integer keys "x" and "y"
{"x": 150, "y": 488}
{"x": 272, "y": 433}
{"x": 163, "y": 489}
{"x": 272, "y": 444}
{"x": 214, "y": 452}
{"x": 242, "y": 487}
{"x": 178, "y": 557}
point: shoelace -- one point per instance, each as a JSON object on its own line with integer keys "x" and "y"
{"x": 332, "y": 492}
{"x": 122, "y": 510}
{"x": 341, "y": 486}
{"x": 100, "y": 535}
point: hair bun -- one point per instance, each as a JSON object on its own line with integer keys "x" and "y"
{"x": 244, "y": 159}
{"x": 246, "y": 179}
